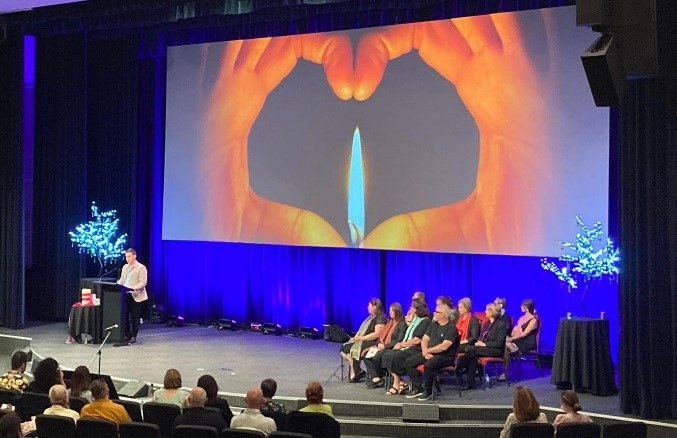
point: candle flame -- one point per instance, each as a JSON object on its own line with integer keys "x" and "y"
{"x": 356, "y": 219}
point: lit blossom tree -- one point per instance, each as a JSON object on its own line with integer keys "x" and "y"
{"x": 584, "y": 260}
{"x": 97, "y": 238}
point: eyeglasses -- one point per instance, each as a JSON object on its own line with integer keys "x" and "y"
{"x": 438, "y": 311}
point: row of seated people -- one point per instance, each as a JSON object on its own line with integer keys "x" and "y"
{"x": 399, "y": 345}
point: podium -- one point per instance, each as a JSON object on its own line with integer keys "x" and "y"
{"x": 114, "y": 308}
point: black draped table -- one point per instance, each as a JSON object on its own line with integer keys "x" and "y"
{"x": 86, "y": 319}
{"x": 583, "y": 357}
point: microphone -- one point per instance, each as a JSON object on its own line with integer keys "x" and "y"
{"x": 110, "y": 272}
{"x": 111, "y": 327}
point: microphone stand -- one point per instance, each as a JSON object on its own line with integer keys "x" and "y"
{"x": 109, "y": 272}
{"x": 98, "y": 352}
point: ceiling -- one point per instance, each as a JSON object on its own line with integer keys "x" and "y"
{"x": 7, "y": 6}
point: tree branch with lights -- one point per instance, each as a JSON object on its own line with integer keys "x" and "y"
{"x": 584, "y": 260}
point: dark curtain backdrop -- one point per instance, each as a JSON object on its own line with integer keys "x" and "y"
{"x": 648, "y": 287}
{"x": 11, "y": 187}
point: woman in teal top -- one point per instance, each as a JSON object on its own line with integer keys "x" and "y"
{"x": 172, "y": 392}
{"x": 314, "y": 396}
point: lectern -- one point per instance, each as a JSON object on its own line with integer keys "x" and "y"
{"x": 114, "y": 307}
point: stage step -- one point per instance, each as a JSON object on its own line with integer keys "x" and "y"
{"x": 396, "y": 428}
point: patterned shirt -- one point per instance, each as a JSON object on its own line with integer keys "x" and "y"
{"x": 13, "y": 380}
{"x": 271, "y": 407}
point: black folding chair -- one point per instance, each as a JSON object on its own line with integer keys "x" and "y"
{"x": 133, "y": 409}
{"x": 162, "y": 414}
{"x": 77, "y": 403}
{"x": 7, "y": 395}
{"x": 625, "y": 430}
{"x": 89, "y": 427}
{"x": 532, "y": 430}
{"x": 289, "y": 435}
{"x": 30, "y": 404}
{"x": 579, "y": 430}
{"x": 186, "y": 431}
{"x": 139, "y": 430}
{"x": 241, "y": 433}
{"x": 55, "y": 426}
{"x": 280, "y": 418}
{"x": 315, "y": 424}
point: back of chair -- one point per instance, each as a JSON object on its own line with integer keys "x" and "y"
{"x": 6, "y": 395}
{"x": 315, "y": 424}
{"x": 289, "y": 435}
{"x": 625, "y": 430}
{"x": 280, "y": 418}
{"x": 55, "y": 426}
{"x": 532, "y": 430}
{"x": 162, "y": 414}
{"x": 30, "y": 404}
{"x": 186, "y": 431}
{"x": 139, "y": 430}
{"x": 133, "y": 409}
{"x": 89, "y": 427}
{"x": 579, "y": 430}
{"x": 481, "y": 316}
{"x": 77, "y": 403}
{"x": 241, "y": 433}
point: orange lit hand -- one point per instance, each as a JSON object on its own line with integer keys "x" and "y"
{"x": 250, "y": 71}
{"x": 485, "y": 59}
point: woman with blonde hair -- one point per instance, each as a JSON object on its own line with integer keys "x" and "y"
{"x": 525, "y": 409}
{"x": 571, "y": 407}
{"x": 314, "y": 397}
{"x": 171, "y": 392}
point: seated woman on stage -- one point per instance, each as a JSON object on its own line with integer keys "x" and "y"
{"x": 490, "y": 344}
{"x": 467, "y": 325}
{"x": 79, "y": 384}
{"x": 172, "y": 392}
{"x": 525, "y": 409}
{"x": 366, "y": 337}
{"x": 391, "y": 335}
{"x": 394, "y": 359}
{"x": 411, "y": 314}
{"x": 523, "y": 336}
{"x": 570, "y": 405}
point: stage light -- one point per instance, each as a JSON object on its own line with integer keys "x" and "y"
{"x": 309, "y": 333}
{"x": 158, "y": 315}
{"x": 226, "y": 324}
{"x": 175, "y": 321}
{"x": 270, "y": 328}
{"x": 255, "y": 326}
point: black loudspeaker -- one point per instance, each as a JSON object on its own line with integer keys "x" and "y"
{"x": 421, "y": 413}
{"x": 593, "y": 12}
{"x": 604, "y": 70}
{"x": 334, "y": 333}
{"x": 134, "y": 389}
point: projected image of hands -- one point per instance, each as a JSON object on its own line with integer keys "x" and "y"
{"x": 450, "y": 135}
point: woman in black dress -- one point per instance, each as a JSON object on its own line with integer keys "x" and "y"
{"x": 366, "y": 337}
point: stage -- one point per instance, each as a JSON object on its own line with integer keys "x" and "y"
{"x": 239, "y": 360}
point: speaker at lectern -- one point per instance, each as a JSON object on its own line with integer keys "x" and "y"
{"x": 113, "y": 308}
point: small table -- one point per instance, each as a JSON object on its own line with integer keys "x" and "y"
{"x": 86, "y": 319}
{"x": 582, "y": 357}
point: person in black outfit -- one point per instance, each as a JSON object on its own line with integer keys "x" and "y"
{"x": 47, "y": 374}
{"x": 438, "y": 349}
{"x": 491, "y": 344}
{"x": 366, "y": 337}
{"x": 197, "y": 415}
{"x": 208, "y": 383}
{"x": 501, "y": 302}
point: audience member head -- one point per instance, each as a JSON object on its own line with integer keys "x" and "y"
{"x": 493, "y": 311}
{"x": 501, "y": 302}
{"x": 268, "y": 388}
{"x": 421, "y": 309}
{"x": 172, "y": 379}
{"x": 208, "y": 383}
{"x": 446, "y": 300}
{"x": 570, "y": 402}
{"x": 396, "y": 312}
{"x": 80, "y": 381}
{"x": 464, "y": 306}
{"x": 58, "y": 395}
{"x": 10, "y": 426}
{"x": 254, "y": 398}
{"x": 418, "y": 295}
{"x": 528, "y": 306}
{"x": 99, "y": 389}
{"x": 375, "y": 307}
{"x": 442, "y": 313}
{"x": 524, "y": 406}
{"x": 197, "y": 397}
{"x": 19, "y": 361}
{"x": 48, "y": 374}
{"x": 314, "y": 393}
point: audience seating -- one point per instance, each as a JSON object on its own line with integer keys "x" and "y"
{"x": 30, "y": 404}
{"x": 76, "y": 403}
{"x": 241, "y": 433}
{"x": 185, "y": 431}
{"x": 281, "y": 420}
{"x": 279, "y": 434}
{"x": 89, "y": 427}
{"x": 55, "y": 426}
{"x": 162, "y": 414}
{"x": 314, "y": 424}
{"x": 625, "y": 430}
{"x": 7, "y": 395}
{"x": 133, "y": 409}
{"x": 579, "y": 430}
{"x": 139, "y": 430}
{"x": 532, "y": 430}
